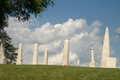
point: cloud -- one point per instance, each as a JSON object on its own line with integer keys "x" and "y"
{"x": 80, "y": 35}
{"x": 117, "y": 37}
{"x": 96, "y": 24}
{"x": 117, "y": 30}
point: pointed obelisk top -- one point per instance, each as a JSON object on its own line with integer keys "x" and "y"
{"x": 106, "y": 28}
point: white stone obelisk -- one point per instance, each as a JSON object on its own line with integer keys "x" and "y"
{"x": 106, "y": 60}
{"x": 45, "y": 60}
{"x": 78, "y": 62}
{"x": 19, "y": 57}
{"x": 65, "y": 59}
{"x": 3, "y": 59}
{"x": 92, "y": 62}
{"x": 35, "y": 54}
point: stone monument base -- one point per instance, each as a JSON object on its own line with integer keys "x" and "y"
{"x": 92, "y": 64}
{"x": 108, "y": 63}
{"x": 3, "y": 60}
{"x": 111, "y": 63}
{"x": 103, "y": 63}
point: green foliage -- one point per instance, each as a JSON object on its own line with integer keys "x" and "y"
{"x": 52, "y": 72}
{"x": 21, "y": 9}
{"x": 10, "y": 49}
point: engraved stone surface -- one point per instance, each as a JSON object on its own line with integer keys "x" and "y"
{"x": 35, "y": 54}
{"x": 65, "y": 59}
{"x": 45, "y": 60}
{"x": 19, "y": 57}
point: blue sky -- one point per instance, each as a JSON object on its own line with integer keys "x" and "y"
{"x": 106, "y": 12}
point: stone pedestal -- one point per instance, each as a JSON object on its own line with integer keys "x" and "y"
{"x": 92, "y": 64}
{"x": 111, "y": 63}
{"x": 45, "y": 60}
{"x": 19, "y": 57}
{"x": 65, "y": 59}
{"x": 35, "y": 55}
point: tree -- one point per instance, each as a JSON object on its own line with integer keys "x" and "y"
{"x": 21, "y": 9}
{"x": 9, "y": 49}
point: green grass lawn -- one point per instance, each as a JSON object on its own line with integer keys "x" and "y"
{"x": 53, "y": 72}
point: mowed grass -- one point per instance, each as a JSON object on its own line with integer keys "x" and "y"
{"x": 53, "y": 72}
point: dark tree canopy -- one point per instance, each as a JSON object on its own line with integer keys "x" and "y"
{"x": 21, "y": 9}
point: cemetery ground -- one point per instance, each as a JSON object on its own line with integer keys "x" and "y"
{"x": 56, "y": 72}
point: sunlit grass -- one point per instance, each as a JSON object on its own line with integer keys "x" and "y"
{"x": 53, "y": 72}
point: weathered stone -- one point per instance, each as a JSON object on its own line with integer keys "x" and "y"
{"x": 92, "y": 62}
{"x": 35, "y": 55}
{"x": 65, "y": 59}
{"x": 19, "y": 57}
{"x": 45, "y": 60}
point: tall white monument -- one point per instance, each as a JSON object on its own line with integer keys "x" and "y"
{"x": 45, "y": 60}
{"x": 3, "y": 59}
{"x": 78, "y": 62}
{"x": 92, "y": 62}
{"x": 35, "y": 54}
{"x": 106, "y": 61}
{"x": 19, "y": 57}
{"x": 65, "y": 59}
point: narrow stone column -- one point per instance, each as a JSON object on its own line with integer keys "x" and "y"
{"x": 35, "y": 54}
{"x": 45, "y": 60}
{"x": 19, "y": 57}
{"x": 92, "y": 62}
{"x": 3, "y": 59}
{"x": 78, "y": 62}
{"x": 65, "y": 59}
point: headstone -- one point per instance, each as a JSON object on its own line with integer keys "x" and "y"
{"x": 19, "y": 57}
{"x": 35, "y": 54}
{"x": 78, "y": 62}
{"x": 106, "y": 60}
{"x": 65, "y": 59}
{"x": 92, "y": 62}
{"x": 3, "y": 59}
{"x": 45, "y": 60}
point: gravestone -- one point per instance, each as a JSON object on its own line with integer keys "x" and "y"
{"x": 45, "y": 60}
{"x": 19, "y": 57}
{"x": 65, "y": 59}
{"x": 3, "y": 59}
{"x": 92, "y": 62}
{"x": 35, "y": 54}
{"x": 78, "y": 62}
